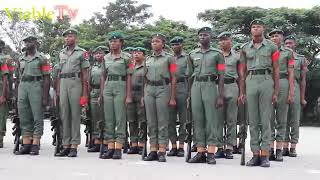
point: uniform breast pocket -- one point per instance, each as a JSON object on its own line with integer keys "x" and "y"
{"x": 196, "y": 62}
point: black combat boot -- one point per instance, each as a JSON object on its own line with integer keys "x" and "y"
{"x": 152, "y": 156}
{"x": 108, "y": 154}
{"x": 162, "y": 157}
{"x": 285, "y": 152}
{"x": 180, "y": 152}
{"x": 117, "y": 154}
{"x": 133, "y": 150}
{"x": 73, "y": 152}
{"x": 254, "y": 161}
{"x": 279, "y": 156}
{"x": 211, "y": 159}
{"x": 220, "y": 153}
{"x": 140, "y": 150}
{"x": 173, "y": 152}
{"x": 94, "y": 148}
{"x": 229, "y": 154}
{"x": 293, "y": 152}
{"x": 264, "y": 161}
{"x": 272, "y": 156}
{"x": 198, "y": 158}
{"x": 25, "y": 149}
{"x": 235, "y": 150}
{"x": 63, "y": 152}
{"x": 34, "y": 149}
{"x": 1, "y": 141}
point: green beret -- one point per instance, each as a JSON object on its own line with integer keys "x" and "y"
{"x": 70, "y": 31}
{"x": 129, "y": 49}
{"x": 291, "y": 37}
{"x": 205, "y": 29}
{"x": 159, "y": 35}
{"x": 29, "y": 38}
{"x": 101, "y": 48}
{"x": 140, "y": 49}
{"x": 176, "y": 39}
{"x": 224, "y": 34}
{"x": 276, "y": 31}
{"x": 257, "y": 22}
{"x": 115, "y": 35}
{"x": 2, "y": 43}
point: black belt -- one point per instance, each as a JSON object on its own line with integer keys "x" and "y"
{"x": 95, "y": 86}
{"x": 181, "y": 79}
{"x": 116, "y": 78}
{"x": 283, "y": 76}
{"x": 206, "y": 78}
{"x": 158, "y": 83}
{"x": 31, "y": 78}
{"x": 69, "y": 75}
{"x": 229, "y": 80}
{"x": 136, "y": 88}
{"x": 259, "y": 71}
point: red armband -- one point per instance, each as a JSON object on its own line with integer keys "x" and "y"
{"x": 173, "y": 68}
{"x": 275, "y": 56}
{"x": 45, "y": 68}
{"x": 4, "y": 67}
{"x": 221, "y": 67}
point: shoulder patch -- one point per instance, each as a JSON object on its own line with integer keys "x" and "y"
{"x": 86, "y": 55}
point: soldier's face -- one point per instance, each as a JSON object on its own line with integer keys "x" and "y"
{"x": 70, "y": 39}
{"x": 138, "y": 56}
{"x": 115, "y": 44}
{"x": 204, "y": 37}
{"x": 290, "y": 43}
{"x": 277, "y": 38}
{"x": 177, "y": 47}
{"x": 257, "y": 30}
{"x": 157, "y": 44}
{"x": 225, "y": 43}
{"x": 30, "y": 45}
{"x": 99, "y": 55}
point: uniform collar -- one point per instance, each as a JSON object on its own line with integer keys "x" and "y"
{"x": 161, "y": 54}
{"x": 139, "y": 66}
{"x": 37, "y": 54}
{"x": 210, "y": 49}
{"x": 109, "y": 55}
{"x": 264, "y": 42}
{"x": 281, "y": 48}
{"x": 76, "y": 48}
{"x": 183, "y": 54}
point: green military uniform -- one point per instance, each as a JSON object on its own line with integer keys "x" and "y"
{"x": 259, "y": 89}
{"x": 30, "y": 94}
{"x": 205, "y": 67}
{"x": 182, "y": 93}
{"x": 3, "y": 107}
{"x": 71, "y": 91}
{"x": 135, "y": 112}
{"x": 228, "y": 114}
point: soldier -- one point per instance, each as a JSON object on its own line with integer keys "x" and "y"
{"x": 116, "y": 92}
{"x": 259, "y": 59}
{"x": 33, "y": 92}
{"x": 159, "y": 94}
{"x": 135, "y": 111}
{"x": 130, "y": 50}
{"x": 94, "y": 89}
{"x": 72, "y": 90}
{"x": 231, "y": 93}
{"x": 286, "y": 93}
{"x": 207, "y": 66}
{"x": 182, "y": 92}
{"x": 4, "y": 70}
{"x": 300, "y": 69}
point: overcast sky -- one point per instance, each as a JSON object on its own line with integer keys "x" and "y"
{"x": 180, "y": 10}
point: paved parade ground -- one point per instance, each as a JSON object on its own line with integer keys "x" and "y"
{"x": 89, "y": 167}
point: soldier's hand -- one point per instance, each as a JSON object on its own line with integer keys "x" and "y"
{"x": 100, "y": 100}
{"x": 274, "y": 99}
{"x": 219, "y": 102}
{"x": 2, "y": 99}
{"x": 172, "y": 102}
{"x": 303, "y": 102}
{"x": 44, "y": 102}
{"x": 241, "y": 99}
{"x": 128, "y": 100}
{"x": 290, "y": 99}
{"x": 142, "y": 102}
{"x": 83, "y": 100}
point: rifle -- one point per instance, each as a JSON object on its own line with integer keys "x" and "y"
{"x": 85, "y": 116}
{"x": 16, "y": 128}
{"x": 189, "y": 122}
{"x": 101, "y": 137}
{"x": 243, "y": 133}
{"x": 56, "y": 127}
{"x": 126, "y": 142}
{"x": 144, "y": 150}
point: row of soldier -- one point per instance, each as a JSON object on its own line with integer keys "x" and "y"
{"x": 266, "y": 79}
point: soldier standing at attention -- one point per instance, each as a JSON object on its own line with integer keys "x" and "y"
{"x": 207, "y": 66}
{"x": 231, "y": 93}
{"x": 300, "y": 70}
{"x": 182, "y": 92}
{"x": 33, "y": 92}
{"x": 135, "y": 113}
{"x": 260, "y": 58}
{"x": 4, "y": 71}
{"x": 96, "y": 110}
{"x": 159, "y": 94}
{"x": 286, "y": 94}
{"x": 116, "y": 92}
{"x": 72, "y": 90}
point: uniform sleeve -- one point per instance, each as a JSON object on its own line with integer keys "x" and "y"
{"x": 12, "y": 66}
{"x": 84, "y": 60}
{"x": 290, "y": 60}
{"x": 173, "y": 65}
{"x": 130, "y": 66}
{"x": 220, "y": 63}
{"x": 189, "y": 70}
{"x": 45, "y": 67}
{"x": 4, "y": 67}
{"x": 275, "y": 53}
